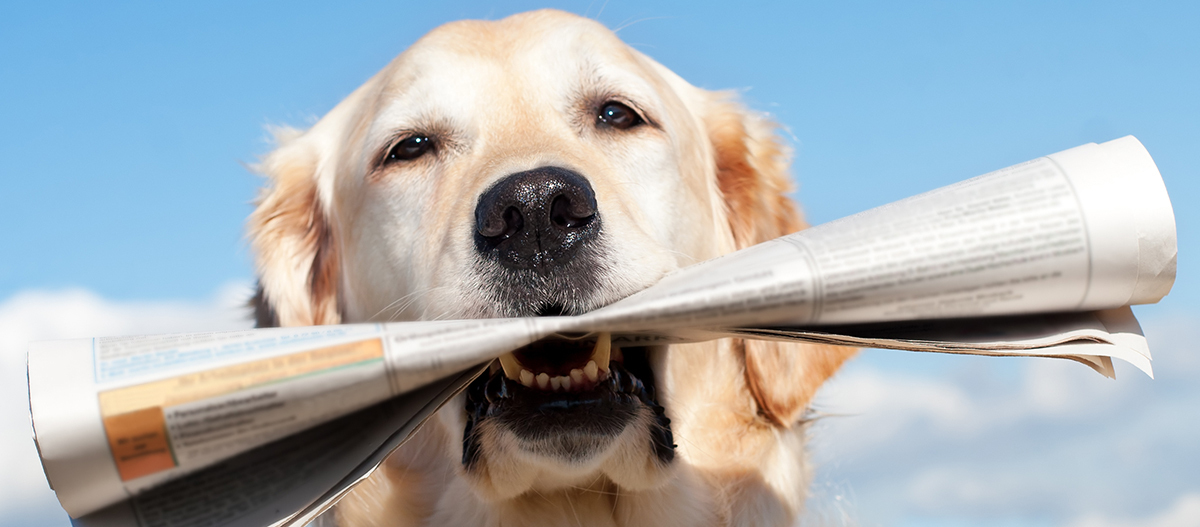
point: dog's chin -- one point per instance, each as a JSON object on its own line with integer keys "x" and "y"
{"x": 574, "y": 415}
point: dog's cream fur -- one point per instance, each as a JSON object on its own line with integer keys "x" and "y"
{"x": 341, "y": 237}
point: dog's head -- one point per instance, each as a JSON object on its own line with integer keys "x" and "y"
{"x": 533, "y": 166}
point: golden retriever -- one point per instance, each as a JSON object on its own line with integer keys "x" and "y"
{"x": 537, "y": 165}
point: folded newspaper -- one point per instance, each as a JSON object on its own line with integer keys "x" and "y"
{"x": 272, "y": 426}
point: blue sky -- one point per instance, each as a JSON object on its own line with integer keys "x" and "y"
{"x": 125, "y": 130}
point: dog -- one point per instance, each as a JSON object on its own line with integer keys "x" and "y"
{"x": 537, "y": 165}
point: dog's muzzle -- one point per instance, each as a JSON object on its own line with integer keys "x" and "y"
{"x": 538, "y": 236}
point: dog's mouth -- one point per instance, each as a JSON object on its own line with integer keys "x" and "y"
{"x": 567, "y": 400}
{"x": 566, "y": 366}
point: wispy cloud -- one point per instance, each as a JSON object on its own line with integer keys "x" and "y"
{"x": 942, "y": 440}
{"x": 25, "y": 498}
{"x": 1184, "y": 512}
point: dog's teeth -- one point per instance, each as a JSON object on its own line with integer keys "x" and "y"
{"x": 565, "y": 382}
{"x": 543, "y": 380}
{"x": 577, "y": 377}
{"x": 592, "y": 371}
{"x": 512, "y": 368}
{"x": 603, "y": 350}
{"x": 526, "y": 377}
{"x": 556, "y": 383}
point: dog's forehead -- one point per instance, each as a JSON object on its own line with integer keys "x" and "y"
{"x": 538, "y": 61}
{"x": 541, "y": 36}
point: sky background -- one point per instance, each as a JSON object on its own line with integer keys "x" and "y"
{"x": 125, "y": 131}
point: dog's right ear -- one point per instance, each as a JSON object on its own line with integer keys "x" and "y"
{"x": 292, "y": 241}
{"x": 752, "y": 176}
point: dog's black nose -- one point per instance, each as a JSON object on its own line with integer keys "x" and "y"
{"x": 537, "y": 219}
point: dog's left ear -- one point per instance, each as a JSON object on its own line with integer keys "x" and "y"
{"x": 752, "y": 175}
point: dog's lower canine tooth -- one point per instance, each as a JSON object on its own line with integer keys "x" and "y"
{"x": 512, "y": 368}
{"x": 603, "y": 350}
{"x": 543, "y": 380}
{"x": 592, "y": 371}
{"x": 526, "y": 377}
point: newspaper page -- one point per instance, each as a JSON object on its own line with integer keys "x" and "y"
{"x": 1075, "y": 238}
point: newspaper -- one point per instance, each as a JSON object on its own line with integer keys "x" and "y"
{"x": 272, "y": 426}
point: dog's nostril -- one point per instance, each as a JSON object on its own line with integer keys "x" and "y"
{"x": 505, "y": 224}
{"x": 565, "y": 213}
{"x": 513, "y": 221}
{"x": 491, "y": 227}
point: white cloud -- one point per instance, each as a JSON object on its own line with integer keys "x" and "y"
{"x": 1184, "y": 512}
{"x": 932, "y": 439}
{"x": 25, "y": 499}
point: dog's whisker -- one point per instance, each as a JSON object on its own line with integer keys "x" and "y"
{"x": 441, "y": 316}
{"x": 409, "y": 299}
{"x": 640, "y": 20}
{"x": 394, "y": 302}
{"x": 595, "y": 491}
{"x": 413, "y": 300}
{"x": 690, "y": 259}
{"x": 542, "y": 496}
{"x": 602, "y": 6}
{"x": 695, "y": 447}
{"x": 616, "y": 496}
{"x": 591, "y": 487}
{"x": 571, "y": 504}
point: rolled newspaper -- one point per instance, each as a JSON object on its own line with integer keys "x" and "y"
{"x": 1085, "y": 229}
{"x": 271, "y": 426}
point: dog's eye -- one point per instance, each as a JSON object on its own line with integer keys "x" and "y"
{"x": 410, "y": 148}
{"x": 618, "y": 116}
